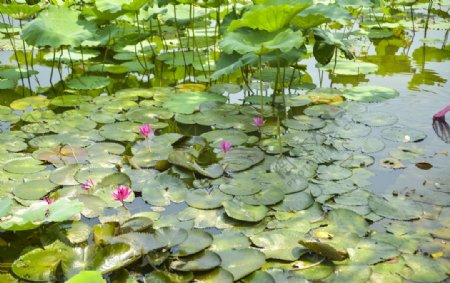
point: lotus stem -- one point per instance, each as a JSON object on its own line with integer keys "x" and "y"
{"x": 261, "y": 86}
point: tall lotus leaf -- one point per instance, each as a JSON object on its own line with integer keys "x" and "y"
{"x": 112, "y": 257}
{"x": 19, "y": 11}
{"x": 57, "y": 26}
{"x": 269, "y": 18}
{"x": 261, "y": 42}
{"x": 325, "y": 46}
{"x": 87, "y": 276}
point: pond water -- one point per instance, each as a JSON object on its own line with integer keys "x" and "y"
{"x": 332, "y": 188}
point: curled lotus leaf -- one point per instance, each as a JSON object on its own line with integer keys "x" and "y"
{"x": 187, "y": 161}
{"x": 325, "y": 250}
{"x": 37, "y": 265}
{"x": 205, "y": 260}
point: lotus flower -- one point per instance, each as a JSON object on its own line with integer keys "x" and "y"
{"x": 146, "y": 130}
{"x": 225, "y": 146}
{"x": 258, "y": 121}
{"x": 121, "y": 193}
{"x": 89, "y": 184}
{"x": 441, "y": 114}
{"x": 48, "y": 200}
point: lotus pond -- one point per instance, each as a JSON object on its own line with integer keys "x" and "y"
{"x": 224, "y": 141}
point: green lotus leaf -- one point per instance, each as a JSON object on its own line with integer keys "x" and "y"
{"x": 148, "y": 115}
{"x": 267, "y": 196}
{"x": 371, "y": 252}
{"x": 229, "y": 241}
{"x": 112, "y": 257}
{"x": 37, "y": 265}
{"x": 57, "y": 26}
{"x": 188, "y": 103}
{"x": 167, "y": 277}
{"x": 241, "y": 262}
{"x": 351, "y": 68}
{"x": 365, "y": 145}
{"x": 410, "y": 153}
{"x": 216, "y": 275}
{"x": 205, "y": 260}
{"x": 279, "y": 244}
{"x": 34, "y": 190}
{"x": 423, "y": 269}
{"x": 171, "y": 236}
{"x": 379, "y": 33}
{"x": 19, "y": 11}
{"x": 398, "y": 134}
{"x": 69, "y": 100}
{"x": 5, "y": 206}
{"x": 203, "y": 199}
{"x": 164, "y": 189}
{"x": 370, "y": 93}
{"x": 7, "y": 84}
{"x": 119, "y": 131}
{"x": 310, "y": 270}
{"x": 242, "y": 185}
{"x": 65, "y": 175}
{"x": 332, "y": 12}
{"x": 295, "y": 202}
{"x": 270, "y": 18}
{"x": 87, "y": 276}
{"x": 241, "y": 211}
{"x": 73, "y": 55}
{"x": 240, "y": 159}
{"x": 24, "y": 165}
{"x": 88, "y": 82}
{"x": 304, "y": 123}
{"x": 187, "y": 161}
{"x": 143, "y": 242}
{"x": 259, "y": 276}
{"x": 235, "y": 137}
{"x": 36, "y": 102}
{"x": 333, "y": 172}
{"x": 395, "y": 208}
{"x": 325, "y": 250}
{"x": 344, "y": 220}
{"x": 351, "y": 273}
{"x": 325, "y": 45}
{"x": 261, "y": 42}
{"x": 196, "y": 241}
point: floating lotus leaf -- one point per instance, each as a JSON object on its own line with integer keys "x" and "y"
{"x": 35, "y": 102}
{"x": 365, "y": 145}
{"x": 143, "y": 242}
{"x": 371, "y": 252}
{"x": 119, "y": 131}
{"x": 188, "y": 103}
{"x": 37, "y": 265}
{"x": 112, "y": 257}
{"x": 392, "y": 163}
{"x": 57, "y": 26}
{"x": 376, "y": 118}
{"x": 200, "y": 262}
{"x": 398, "y": 133}
{"x": 357, "y": 161}
{"x": 267, "y": 196}
{"x": 240, "y": 159}
{"x": 269, "y": 18}
{"x": 244, "y": 212}
{"x": 351, "y": 273}
{"x": 229, "y": 241}
{"x": 324, "y": 111}
{"x": 34, "y": 190}
{"x": 187, "y": 161}
{"x": 285, "y": 275}
{"x": 241, "y": 186}
{"x": 311, "y": 270}
{"x": 196, "y": 241}
{"x": 295, "y": 202}
{"x": 88, "y": 82}
{"x": 87, "y": 276}
{"x": 279, "y": 244}
{"x": 423, "y": 269}
{"x": 261, "y": 42}
{"x": 5, "y": 206}
{"x": 370, "y": 93}
{"x": 379, "y": 33}
{"x": 167, "y": 277}
{"x": 203, "y": 200}
{"x": 163, "y": 190}
{"x": 217, "y": 275}
{"x": 171, "y": 236}
{"x": 235, "y": 137}
{"x": 241, "y": 262}
{"x": 70, "y": 100}
{"x": 333, "y": 172}
{"x": 395, "y": 208}
{"x": 7, "y": 84}
{"x": 95, "y": 174}
{"x": 259, "y": 276}
{"x": 304, "y": 123}
{"x": 344, "y": 220}
{"x": 410, "y": 153}
{"x": 354, "y": 68}
{"x": 24, "y": 165}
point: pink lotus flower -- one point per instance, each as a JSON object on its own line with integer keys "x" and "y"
{"x": 258, "y": 121}
{"x": 89, "y": 184}
{"x": 225, "y": 146}
{"x": 48, "y": 200}
{"x": 146, "y": 130}
{"x": 121, "y": 193}
{"x": 441, "y": 114}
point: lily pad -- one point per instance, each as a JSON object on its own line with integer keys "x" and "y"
{"x": 199, "y": 262}
{"x": 25, "y": 165}
{"x": 34, "y": 190}
{"x": 240, "y": 159}
{"x": 241, "y": 262}
{"x": 370, "y": 93}
{"x": 241, "y": 211}
{"x": 395, "y": 207}
{"x": 203, "y": 199}
{"x": 88, "y": 82}
{"x": 398, "y": 134}
{"x": 376, "y": 119}
{"x": 35, "y": 102}
{"x": 188, "y": 103}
